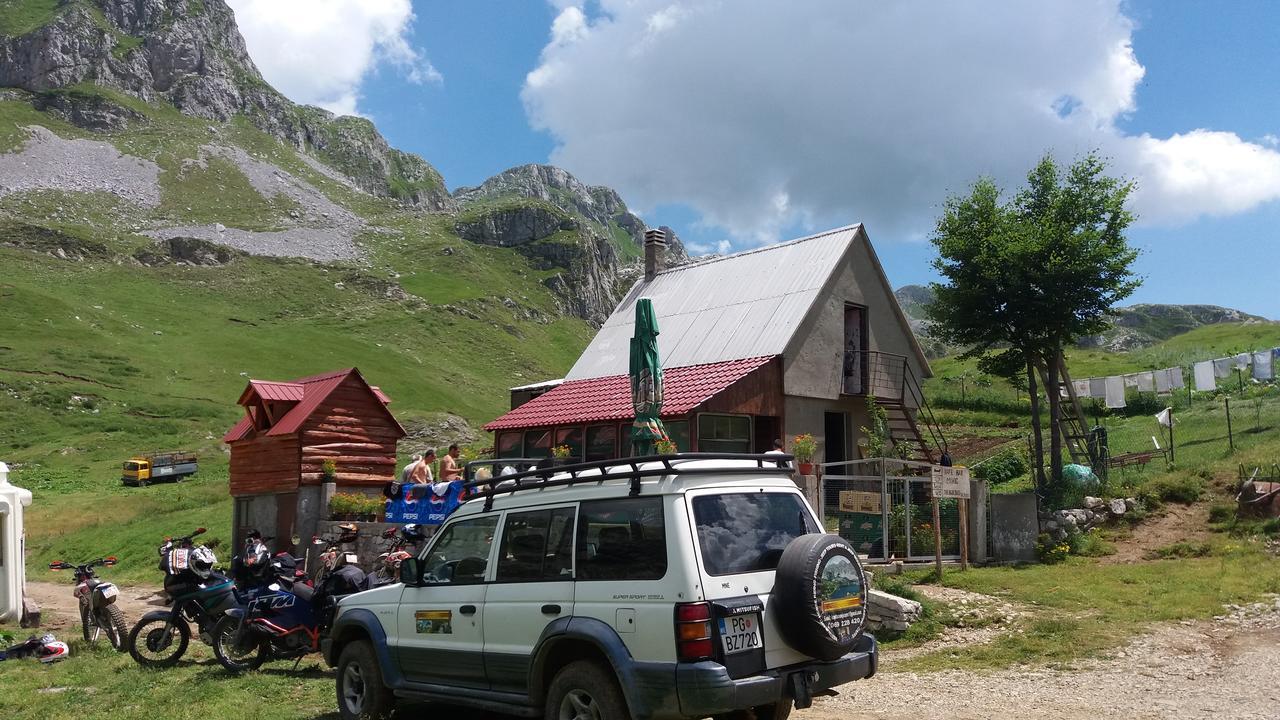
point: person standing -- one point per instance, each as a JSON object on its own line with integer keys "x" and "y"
{"x": 421, "y": 474}
{"x": 406, "y": 475}
{"x": 450, "y": 469}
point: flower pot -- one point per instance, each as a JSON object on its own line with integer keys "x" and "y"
{"x": 806, "y": 468}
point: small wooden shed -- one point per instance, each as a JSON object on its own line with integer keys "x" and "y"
{"x": 288, "y": 430}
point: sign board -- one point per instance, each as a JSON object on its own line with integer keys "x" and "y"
{"x": 860, "y": 502}
{"x": 950, "y": 482}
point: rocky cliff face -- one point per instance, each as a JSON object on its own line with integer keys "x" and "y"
{"x": 192, "y": 55}
{"x": 599, "y": 205}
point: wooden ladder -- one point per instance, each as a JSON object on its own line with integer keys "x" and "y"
{"x": 1071, "y": 419}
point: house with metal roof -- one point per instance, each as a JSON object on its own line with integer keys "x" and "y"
{"x": 288, "y": 431}
{"x": 761, "y": 345}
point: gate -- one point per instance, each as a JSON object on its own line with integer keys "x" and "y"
{"x": 884, "y": 508}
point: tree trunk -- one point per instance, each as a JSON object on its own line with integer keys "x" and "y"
{"x": 1037, "y": 460}
{"x": 1055, "y": 417}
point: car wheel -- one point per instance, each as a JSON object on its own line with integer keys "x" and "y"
{"x": 361, "y": 692}
{"x": 585, "y": 691}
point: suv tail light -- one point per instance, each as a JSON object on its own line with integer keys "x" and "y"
{"x": 693, "y": 632}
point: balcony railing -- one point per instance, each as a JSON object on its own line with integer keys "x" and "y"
{"x": 890, "y": 379}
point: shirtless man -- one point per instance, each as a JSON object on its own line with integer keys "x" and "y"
{"x": 421, "y": 473}
{"x": 449, "y": 468}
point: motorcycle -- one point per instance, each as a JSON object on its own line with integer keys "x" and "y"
{"x": 197, "y": 595}
{"x": 406, "y": 538}
{"x": 98, "y": 610}
{"x": 289, "y": 617}
{"x": 44, "y": 648}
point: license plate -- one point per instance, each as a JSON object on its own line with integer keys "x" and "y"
{"x": 740, "y": 633}
{"x": 108, "y": 591}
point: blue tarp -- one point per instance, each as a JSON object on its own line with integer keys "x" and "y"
{"x": 420, "y": 503}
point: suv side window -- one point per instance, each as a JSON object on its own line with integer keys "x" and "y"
{"x": 537, "y": 545}
{"x": 624, "y": 539}
{"x": 461, "y": 555}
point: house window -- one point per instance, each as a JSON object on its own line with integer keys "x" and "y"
{"x": 571, "y": 437}
{"x": 678, "y": 431}
{"x": 855, "y": 358}
{"x": 602, "y": 442}
{"x": 509, "y": 445}
{"x": 724, "y": 433}
{"x": 537, "y": 443}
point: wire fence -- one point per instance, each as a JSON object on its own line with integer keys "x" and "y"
{"x": 884, "y": 508}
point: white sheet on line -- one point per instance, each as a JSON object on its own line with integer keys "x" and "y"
{"x": 1131, "y": 380}
{"x": 1175, "y": 377}
{"x": 1222, "y": 368}
{"x": 1146, "y": 381}
{"x": 1115, "y": 391}
{"x": 1097, "y": 388}
{"x": 1242, "y": 361}
{"x": 1205, "y": 376}
{"x": 1164, "y": 382}
{"x": 1262, "y": 368}
{"x": 1081, "y": 387}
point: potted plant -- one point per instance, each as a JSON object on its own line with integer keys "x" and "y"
{"x": 561, "y": 454}
{"x": 328, "y": 469}
{"x": 666, "y": 446}
{"x": 803, "y": 447}
{"x": 375, "y": 508}
{"x": 341, "y": 506}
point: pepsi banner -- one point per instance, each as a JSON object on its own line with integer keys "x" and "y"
{"x": 427, "y": 504}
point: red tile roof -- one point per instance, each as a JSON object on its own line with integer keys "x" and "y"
{"x": 310, "y": 391}
{"x": 609, "y": 398}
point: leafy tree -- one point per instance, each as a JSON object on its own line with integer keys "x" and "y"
{"x": 1026, "y": 277}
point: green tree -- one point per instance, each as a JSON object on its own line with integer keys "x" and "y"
{"x": 1026, "y": 277}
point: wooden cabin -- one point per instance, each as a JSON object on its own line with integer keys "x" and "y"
{"x": 288, "y": 430}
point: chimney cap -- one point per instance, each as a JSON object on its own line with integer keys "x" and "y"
{"x": 655, "y": 236}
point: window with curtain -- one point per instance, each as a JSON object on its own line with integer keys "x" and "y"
{"x": 724, "y": 433}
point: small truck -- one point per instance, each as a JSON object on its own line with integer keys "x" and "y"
{"x": 142, "y": 469}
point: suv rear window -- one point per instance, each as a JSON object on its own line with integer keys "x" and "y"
{"x": 746, "y": 532}
{"x": 622, "y": 540}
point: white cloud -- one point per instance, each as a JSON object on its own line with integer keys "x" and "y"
{"x": 762, "y": 115}
{"x": 319, "y": 51}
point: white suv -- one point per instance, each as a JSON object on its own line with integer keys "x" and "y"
{"x": 684, "y": 586}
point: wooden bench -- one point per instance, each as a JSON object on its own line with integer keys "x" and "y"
{"x": 1133, "y": 458}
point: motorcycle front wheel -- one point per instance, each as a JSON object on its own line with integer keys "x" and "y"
{"x": 237, "y": 648}
{"x": 159, "y": 642}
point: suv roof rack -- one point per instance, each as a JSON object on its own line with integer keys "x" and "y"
{"x": 540, "y": 477}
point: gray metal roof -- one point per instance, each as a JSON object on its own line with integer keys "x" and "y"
{"x": 739, "y": 306}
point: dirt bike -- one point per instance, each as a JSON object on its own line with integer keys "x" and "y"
{"x": 198, "y": 596}
{"x": 406, "y": 539}
{"x": 98, "y": 609}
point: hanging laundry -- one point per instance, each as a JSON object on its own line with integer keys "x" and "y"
{"x": 1242, "y": 361}
{"x": 1146, "y": 382}
{"x": 1081, "y": 387}
{"x": 1131, "y": 380}
{"x": 1205, "y": 373}
{"x": 1222, "y": 368}
{"x": 1176, "y": 379}
{"x": 1115, "y": 392}
{"x": 1262, "y": 367}
{"x": 1164, "y": 382}
{"x": 1097, "y": 388}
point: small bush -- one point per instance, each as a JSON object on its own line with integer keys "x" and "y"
{"x": 1050, "y": 551}
{"x": 1090, "y": 544}
{"x": 1000, "y": 469}
{"x": 1221, "y": 513}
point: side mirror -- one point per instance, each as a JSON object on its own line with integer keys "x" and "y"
{"x": 411, "y": 572}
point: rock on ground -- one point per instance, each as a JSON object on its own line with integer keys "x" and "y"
{"x": 49, "y": 162}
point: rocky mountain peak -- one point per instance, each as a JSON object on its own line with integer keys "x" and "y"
{"x": 190, "y": 53}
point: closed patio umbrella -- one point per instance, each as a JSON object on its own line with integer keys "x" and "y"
{"x": 646, "y": 381}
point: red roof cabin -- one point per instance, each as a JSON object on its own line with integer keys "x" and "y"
{"x": 288, "y": 430}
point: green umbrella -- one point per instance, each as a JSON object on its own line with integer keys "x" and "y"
{"x": 646, "y": 381}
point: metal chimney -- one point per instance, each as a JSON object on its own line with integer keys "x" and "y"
{"x": 655, "y": 243}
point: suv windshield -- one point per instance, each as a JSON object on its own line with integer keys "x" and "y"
{"x": 746, "y": 532}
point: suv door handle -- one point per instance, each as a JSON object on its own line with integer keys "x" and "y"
{"x": 467, "y": 609}
{"x": 550, "y": 609}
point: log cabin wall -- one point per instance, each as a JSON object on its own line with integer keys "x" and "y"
{"x": 759, "y": 393}
{"x": 352, "y": 428}
{"x": 264, "y": 465}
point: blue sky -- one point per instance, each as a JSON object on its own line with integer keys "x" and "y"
{"x": 650, "y": 126}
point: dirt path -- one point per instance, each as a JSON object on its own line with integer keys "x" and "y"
{"x": 1214, "y": 669}
{"x": 1177, "y": 523}
{"x": 60, "y": 613}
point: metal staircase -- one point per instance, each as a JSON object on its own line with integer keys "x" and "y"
{"x": 890, "y": 380}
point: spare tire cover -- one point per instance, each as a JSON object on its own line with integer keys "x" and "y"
{"x": 821, "y": 594}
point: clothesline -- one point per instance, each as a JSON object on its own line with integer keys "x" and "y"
{"x": 1205, "y": 375}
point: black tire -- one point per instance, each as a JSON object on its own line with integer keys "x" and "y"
{"x": 111, "y": 619}
{"x": 155, "y": 650}
{"x": 362, "y": 695}
{"x": 229, "y": 655}
{"x": 87, "y": 622}
{"x": 820, "y": 616}
{"x": 583, "y": 690}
